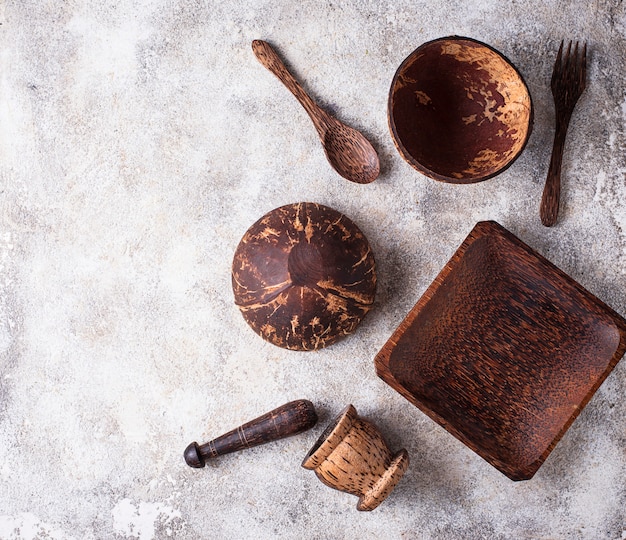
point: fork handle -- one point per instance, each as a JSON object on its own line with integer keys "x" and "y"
{"x": 549, "y": 208}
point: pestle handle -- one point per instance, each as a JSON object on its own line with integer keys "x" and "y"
{"x": 289, "y": 419}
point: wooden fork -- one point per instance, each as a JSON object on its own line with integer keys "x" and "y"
{"x": 568, "y": 83}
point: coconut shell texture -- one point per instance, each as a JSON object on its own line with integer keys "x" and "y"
{"x": 459, "y": 111}
{"x": 304, "y": 276}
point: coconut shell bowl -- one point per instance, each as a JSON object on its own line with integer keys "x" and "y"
{"x": 303, "y": 276}
{"x": 459, "y": 111}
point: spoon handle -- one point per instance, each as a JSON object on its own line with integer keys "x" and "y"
{"x": 268, "y": 57}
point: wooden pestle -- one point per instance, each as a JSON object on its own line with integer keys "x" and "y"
{"x": 289, "y": 419}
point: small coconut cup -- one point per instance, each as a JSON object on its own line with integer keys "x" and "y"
{"x": 459, "y": 111}
{"x": 304, "y": 276}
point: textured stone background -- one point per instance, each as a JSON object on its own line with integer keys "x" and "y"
{"x": 140, "y": 139}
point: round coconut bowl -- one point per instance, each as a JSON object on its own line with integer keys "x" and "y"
{"x": 459, "y": 111}
{"x": 304, "y": 276}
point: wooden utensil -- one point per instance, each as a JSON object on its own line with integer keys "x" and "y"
{"x": 503, "y": 350}
{"x": 568, "y": 83}
{"x": 289, "y": 419}
{"x": 352, "y": 456}
{"x": 347, "y": 150}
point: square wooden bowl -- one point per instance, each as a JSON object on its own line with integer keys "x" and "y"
{"x": 503, "y": 350}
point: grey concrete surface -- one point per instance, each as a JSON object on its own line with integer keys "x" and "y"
{"x": 140, "y": 139}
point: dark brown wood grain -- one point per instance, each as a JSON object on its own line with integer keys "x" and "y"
{"x": 304, "y": 276}
{"x": 347, "y": 150}
{"x": 289, "y": 419}
{"x": 503, "y": 350}
{"x": 459, "y": 111}
{"x": 569, "y": 78}
{"x": 352, "y": 456}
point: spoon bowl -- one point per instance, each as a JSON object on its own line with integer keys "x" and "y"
{"x": 351, "y": 154}
{"x": 346, "y": 149}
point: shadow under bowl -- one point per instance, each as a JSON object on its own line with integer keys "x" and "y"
{"x": 459, "y": 111}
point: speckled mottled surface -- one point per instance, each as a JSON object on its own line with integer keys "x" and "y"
{"x": 138, "y": 142}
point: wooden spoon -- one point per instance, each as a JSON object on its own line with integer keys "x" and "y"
{"x": 347, "y": 150}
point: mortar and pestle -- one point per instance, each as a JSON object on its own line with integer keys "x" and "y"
{"x": 350, "y": 455}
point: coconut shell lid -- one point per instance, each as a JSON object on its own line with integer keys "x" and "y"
{"x": 303, "y": 276}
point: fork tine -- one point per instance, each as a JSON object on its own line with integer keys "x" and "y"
{"x": 583, "y": 75}
{"x": 557, "y": 63}
{"x": 559, "y": 55}
{"x": 568, "y": 58}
